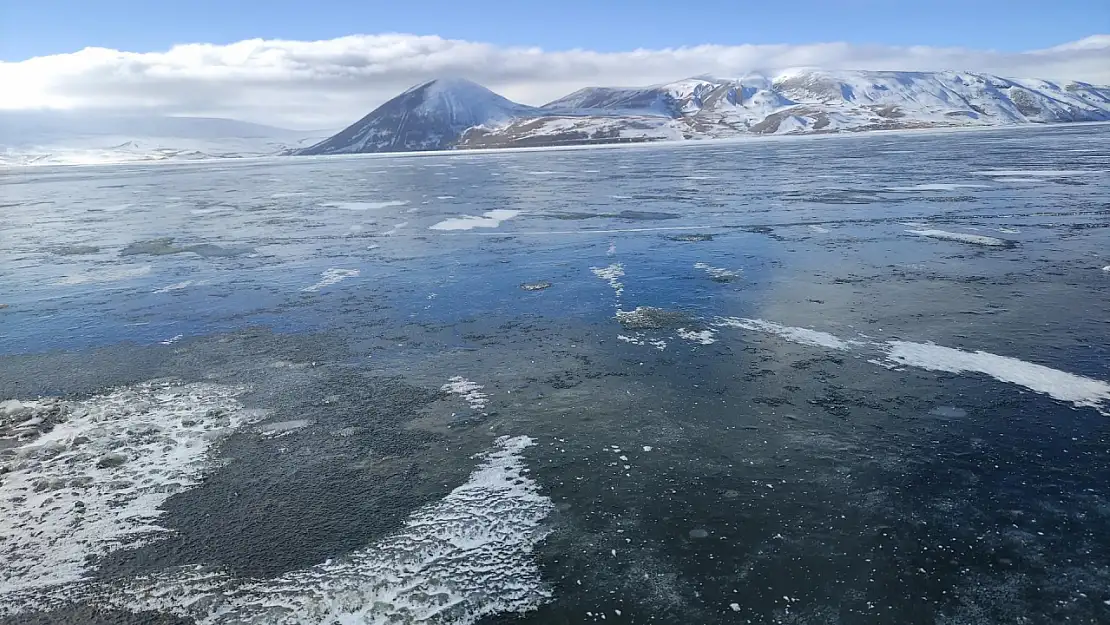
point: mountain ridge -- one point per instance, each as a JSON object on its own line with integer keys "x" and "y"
{"x": 793, "y": 101}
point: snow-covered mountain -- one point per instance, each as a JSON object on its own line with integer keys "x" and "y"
{"x": 459, "y": 114}
{"x": 429, "y": 116}
{"x": 59, "y": 138}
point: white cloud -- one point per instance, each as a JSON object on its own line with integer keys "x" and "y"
{"x": 327, "y": 84}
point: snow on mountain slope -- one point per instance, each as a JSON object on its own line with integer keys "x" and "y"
{"x": 806, "y": 100}
{"x": 430, "y": 116}
{"x": 649, "y": 101}
{"x": 447, "y": 114}
{"x": 938, "y": 97}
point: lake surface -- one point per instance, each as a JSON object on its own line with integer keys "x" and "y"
{"x": 817, "y": 380}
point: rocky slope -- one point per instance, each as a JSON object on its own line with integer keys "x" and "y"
{"x": 447, "y": 114}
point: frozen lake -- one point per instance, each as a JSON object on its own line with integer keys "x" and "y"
{"x": 820, "y": 380}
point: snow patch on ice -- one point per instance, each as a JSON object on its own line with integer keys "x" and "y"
{"x": 960, "y": 237}
{"x": 395, "y": 229}
{"x": 455, "y": 562}
{"x": 938, "y": 186}
{"x": 214, "y": 210}
{"x": 364, "y": 206}
{"x": 639, "y": 339}
{"x": 105, "y": 275}
{"x": 802, "y": 336}
{"x": 1078, "y": 390}
{"x": 717, "y": 273}
{"x": 471, "y": 392}
{"x": 635, "y": 340}
{"x": 282, "y": 428}
{"x": 332, "y": 276}
{"x": 489, "y": 219}
{"x": 95, "y": 483}
{"x": 177, "y": 286}
{"x": 612, "y": 274}
{"x": 1048, "y": 173}
{"x": 704, "y": 337}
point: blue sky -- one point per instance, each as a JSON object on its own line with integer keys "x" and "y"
{"x": 41, "y": 27}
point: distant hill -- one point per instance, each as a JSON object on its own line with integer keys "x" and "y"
{"x": 60, "y": 137}
{"x": 449, "y": 114}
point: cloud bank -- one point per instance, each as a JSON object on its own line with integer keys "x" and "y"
{"x": 328, "y": 84}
